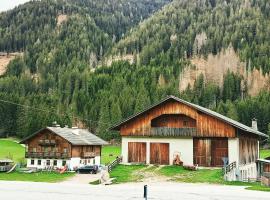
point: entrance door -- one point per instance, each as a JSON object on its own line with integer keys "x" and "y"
{"x": 159, "y": 153}
{"x": 208, "y": 152}
{"x": 137, "y": 152}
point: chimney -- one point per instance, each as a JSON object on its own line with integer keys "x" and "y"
{"x": 254, "y": 124}
{"x": 54, "y": 124}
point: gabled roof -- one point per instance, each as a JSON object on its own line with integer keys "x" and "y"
{"x": 73, "y": 135}
{"x": 199, "y": 108}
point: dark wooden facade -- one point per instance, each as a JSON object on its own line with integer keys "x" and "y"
{"x": 47, "y": 144}
{"x": 248, "y": 149}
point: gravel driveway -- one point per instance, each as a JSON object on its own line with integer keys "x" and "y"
{"x": 82, "y": 178}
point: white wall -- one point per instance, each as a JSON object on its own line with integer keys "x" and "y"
{"x": 182, "y": 145}
{"x": 242, "y": 171}
{"x": 71, "y": 163}
{"x": 233, "y": 148}
{"x": 44, "y": 163}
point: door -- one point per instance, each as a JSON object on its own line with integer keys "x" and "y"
{"x": 219, "y": 151}
{"x": 137, "y": 152}
{"x": 209, "y": 152}
{"x": 159, "y": 153}
{"x": 202, "y": 152}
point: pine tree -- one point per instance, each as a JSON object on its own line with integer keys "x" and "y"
{"x": 142, "y": 100}
{"x": 104, "y": 121}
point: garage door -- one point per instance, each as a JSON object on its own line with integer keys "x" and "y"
{"x": 209, "y": 152}
{"x": 159, "y": 153}
{"x": 137, "y": 152}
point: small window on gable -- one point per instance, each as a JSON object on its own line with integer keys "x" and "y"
{"x": 185, "y": 123}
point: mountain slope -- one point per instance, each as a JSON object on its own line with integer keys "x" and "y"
{"x": 184, "y": 29}
{"x": 57, "y": 78}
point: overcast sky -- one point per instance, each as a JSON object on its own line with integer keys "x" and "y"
{"x": 9, "y": 4}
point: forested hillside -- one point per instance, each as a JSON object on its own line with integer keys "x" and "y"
{"x": 62, "y": 74}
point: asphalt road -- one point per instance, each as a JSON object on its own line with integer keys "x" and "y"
{"x": 64, "y": 191}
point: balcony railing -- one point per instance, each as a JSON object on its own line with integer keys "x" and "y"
{"x": 165, "y": 132}
{"x": 46, "y": 155}
{"x": 47, "y": 142}
{"x": 88, "y": 154}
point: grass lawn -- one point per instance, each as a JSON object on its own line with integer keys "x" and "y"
{"x": 136, "y": 173}
{"x": 109, "y": 153}
{"x": 11, "y": 149}
{"x": 50, "y": 177}
{"x": 264, "y": 153}
{"x": 200, "y": 176}
{"x": 125, "y": 173}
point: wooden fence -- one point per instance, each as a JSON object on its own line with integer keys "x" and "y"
{"x": 114, "y": 163}
{"x": 229, "y": 167}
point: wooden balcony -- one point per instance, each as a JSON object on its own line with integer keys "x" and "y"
{"x": 164, "y": 132}
{"x": 47, "y": 142}
{"x": 46, "y": 155}
{"x": 88, "y": 154}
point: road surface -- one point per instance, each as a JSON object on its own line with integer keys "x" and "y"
{"x": 63, "y": 191}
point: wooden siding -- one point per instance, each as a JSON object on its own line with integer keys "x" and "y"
{"x": 219, "y": 150}
{"x": 209, "y": 152}
{"x": 36, "y": 144}
{"x": 248, "y": 149}
{"x": 86, "y": 151}
{"x": 266, "y": 167}
{"x": 173, "y": 121}
{"x": 137, "y": 152}
{"x": 159, "y": 153}
{"x": 207, "y": 126}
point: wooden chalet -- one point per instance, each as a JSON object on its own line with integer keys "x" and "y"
{"x": 56, "y": 147}
{"x": 174, "y": 128}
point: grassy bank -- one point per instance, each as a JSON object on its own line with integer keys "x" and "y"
{"x": 126, "y": 173}
{"x": 50, "y": 177}
{"x": 109, "y": 153}
{"x": 11, "y": 149}
{"x": 180, "y": 174}
{"x": 137, "y": 173}
{"x": 264, "y": 153}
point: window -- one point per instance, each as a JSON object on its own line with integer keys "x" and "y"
{"x": 32, "y": 162}
{"x": 54, "y": 162}
{"x": 34, "y": 149}
{"x": 64, "y": 163}
{"x": 65, "y": 150}
{"x": 48, "y": 162}
{"x": 185, "y": 123}
{"x": 39, "y": 162}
